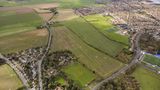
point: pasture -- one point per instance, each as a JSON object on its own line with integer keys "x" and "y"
{"x": 148, "y": 80}
{"x": 18, "y": 20}
{"x": 104, "y": 25}
{"x": 21, "y": 41}
{"x": 8, "y": 79}
{"x": 91, "y": 36}
{"x": 79, "y": 74}
{"x": 102, "y": 64}
{"x": 152, "y": 59}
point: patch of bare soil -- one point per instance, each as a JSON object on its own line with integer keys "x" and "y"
{"x": 45, "y": 16}
{"x": 16, "y": 9}
{"x": 24, "y": 10}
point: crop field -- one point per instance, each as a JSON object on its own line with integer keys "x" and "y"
{"x": 63, "y": 3}
{"x": 23, "y": 2}
{"x": 104, "y": 25}
{"x": 74, "y": 3}
{"x": 79, "y": 74}
{"x": 21, "y": 41}
{"x": 8, "y": 79}
{"x": 148, "y": 80}
{"x": 16, "y": 21}
{"x": 96, "y": 61}
{"x": 65, "y": 14}
{"x": 92, "y": 37}
{"x": 152, "y": 59}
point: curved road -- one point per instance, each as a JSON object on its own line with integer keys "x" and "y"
{"x": 46, "y": 25}
{"x": 137, "y": 57}
{"x": 20, "y": 75}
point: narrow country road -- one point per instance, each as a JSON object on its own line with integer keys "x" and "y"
{"x": 137, "y": 56}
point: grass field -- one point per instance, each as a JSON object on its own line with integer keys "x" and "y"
{"x": 152, "y": 59}
{"x": 102, "y": 64}
{"x": 21, "y": 41}
{"x": 8, "y": 79}
{"x": 91, "y": 36}
{"x": 103, "y": 24}
{"x": 79, "y": 74}
{"x": 148, "y": 80}
{"x": 12, "y": 22}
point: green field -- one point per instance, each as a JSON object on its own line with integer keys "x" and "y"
{"x": 12, "y": 22}
{"x": 102, "y": 64}
{"x": 104, "y": 25}
{"x": 21, "y": 41}
{"x": 79, "y": 74}
{"x": 8, "y": 79}
{"x": 152, "y": 59}
{"x": 148, "y": 80}
{"x": 92, "y": 37}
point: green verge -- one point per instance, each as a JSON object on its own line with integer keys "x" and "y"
{"x": 152, "y": 59}
{"x": 92, "y": 37}
{"x": 8, "y": 79}
{"x": 148, "y": 80}
{"x": 79, "y": 74}
{"x": 104, "y": 25}
{"x": 100, "y": 63}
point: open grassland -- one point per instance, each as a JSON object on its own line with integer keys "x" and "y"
{"x": 79, "y": 74}
{"x": 104, "y": 25}
{"x": 148, "y": 80}
{"x": 96, "y": 61}
{"x": 92, "y": 37}
{"x": 18, "y": 21}
{"x": 8, "y": 79}
{"x": 152, "y": 59}
{"x": 21, "y": 41}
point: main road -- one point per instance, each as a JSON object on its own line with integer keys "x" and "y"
{"x": 50, "y": 35}
{"x": 137, "y": 57}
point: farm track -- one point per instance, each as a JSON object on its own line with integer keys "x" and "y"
{"x": 136, "y": 59}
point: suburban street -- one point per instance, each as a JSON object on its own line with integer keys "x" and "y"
{"x": 135, "y": 60}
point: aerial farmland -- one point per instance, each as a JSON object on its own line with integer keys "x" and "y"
{"x": 79, "y": 45}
